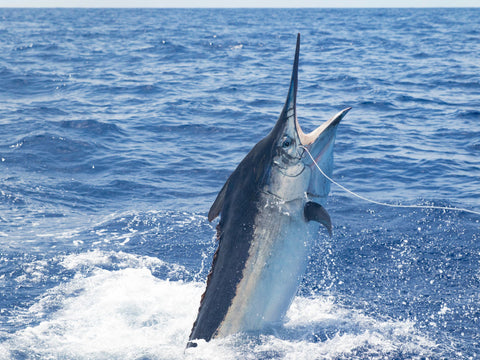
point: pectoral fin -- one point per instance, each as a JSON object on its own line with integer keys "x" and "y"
{"x": 316, "y": 212}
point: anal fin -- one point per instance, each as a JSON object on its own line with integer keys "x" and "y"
{"x": 316, "y": 212}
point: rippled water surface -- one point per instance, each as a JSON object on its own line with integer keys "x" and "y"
{"x": 120, "y": 126}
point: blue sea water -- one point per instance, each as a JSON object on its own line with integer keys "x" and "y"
{"x": 119, "y": 127}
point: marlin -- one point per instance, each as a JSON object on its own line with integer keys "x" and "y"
{"x": 266, "y": 209}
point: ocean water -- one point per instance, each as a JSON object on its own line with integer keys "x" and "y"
{"x": 119, "y": 127}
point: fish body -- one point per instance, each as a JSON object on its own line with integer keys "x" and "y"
{"x": 266, "y": 207}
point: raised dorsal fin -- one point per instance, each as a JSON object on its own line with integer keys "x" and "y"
{"x": 316, "y": 212}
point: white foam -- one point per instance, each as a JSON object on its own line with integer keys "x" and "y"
{"x": 96, "y": 258}
{"x": 354, "y": 331}
{"x": 121, "y": 314}
{"x": 128, "y": 313}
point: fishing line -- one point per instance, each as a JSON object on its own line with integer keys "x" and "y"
{"x": 387, "y": 204}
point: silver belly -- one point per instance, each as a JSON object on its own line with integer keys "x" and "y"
{"x": 275, "y": 266}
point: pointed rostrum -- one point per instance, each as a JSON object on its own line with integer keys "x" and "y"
{"x": 291, "y": 102}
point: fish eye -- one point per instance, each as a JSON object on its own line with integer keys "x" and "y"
{"x": 286, "y": 142}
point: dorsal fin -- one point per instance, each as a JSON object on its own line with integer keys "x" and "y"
{"x": 316, "y": 212}
{"x": 217, "y": 205}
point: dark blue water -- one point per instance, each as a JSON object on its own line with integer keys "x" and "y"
{"x": 118, "y": 128}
